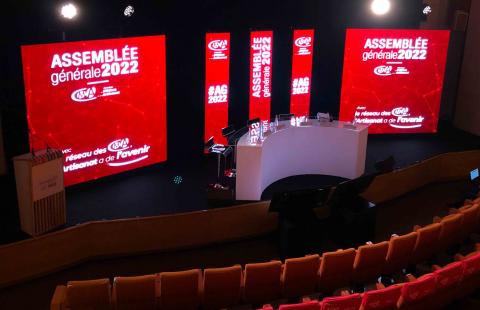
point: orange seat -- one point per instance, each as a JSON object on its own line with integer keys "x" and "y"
{"x": 451, "y": 231}
{"x": 381, "y": 299}
{"x": 369, "y": 261}
{"x": 221, "y": 287}
{"x": 348, "y": 302}
{"x": 471, "y": 219}
{"x": 135, "y": 292}
{"x": 399, "y": 251}
{"x": 427, "y": 242}
{"x": 300, "y": 276}
{"x": 417, "y": 293}
{"x": 180, "y": 290}
{"x": 90, "y": 294}
{"x": 262, "y": 282}
{"x": 336, "y": 269}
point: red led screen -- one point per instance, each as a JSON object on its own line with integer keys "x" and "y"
{"x": 102, "y": 102}
{"x": 301, "y": 72}
{"x": 393, "y": 79}
{"x": 217, "y": 61}
{"x": 261, "y": 43}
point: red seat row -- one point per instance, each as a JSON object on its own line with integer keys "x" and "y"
{"x": 430, "y": 291}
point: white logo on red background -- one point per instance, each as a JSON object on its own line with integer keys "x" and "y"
{"x": 125, "y": 154}
{"x": 404, "y": 120}
{"x": 388, "y": 70}
{"x": 118, "y": 145}
{"x": 218, "y": 47}
{"x": 303, "y": 44}
{"x": 84, "y": 94}
{"x": 91, "y": 92}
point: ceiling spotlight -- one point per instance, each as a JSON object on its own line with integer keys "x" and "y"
{"x": 380, "y": 7}
{"x": 129, "y": 10}
{"x": 427, "y": 10}
{"x": 68, "y": 11}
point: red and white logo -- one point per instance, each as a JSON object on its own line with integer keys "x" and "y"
{"x": 218, "y": 47}
{"x": 84, "y": 94}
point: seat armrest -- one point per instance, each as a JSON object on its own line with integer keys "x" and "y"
{"x": 459, "y": 257}
{"x": 436, "y": 267}
{"x": 437, "y": 219}
{"x": 416, "y": 227}
{"x": 453, "y": 211}
{"x": 410, "y": 277}
{"x": 58, "y": 299}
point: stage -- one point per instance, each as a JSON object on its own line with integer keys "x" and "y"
{"x": 178, "y": 187}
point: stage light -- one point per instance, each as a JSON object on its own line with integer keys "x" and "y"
{"x": 380, "y": 7}
{"x": 427, "y": 10}
{"x": 69, "y": 11}
{"x": 129, "y": 10}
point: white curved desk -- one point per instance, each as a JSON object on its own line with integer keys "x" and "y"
{"x": 313, "y": 148}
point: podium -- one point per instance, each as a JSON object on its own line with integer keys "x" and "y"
{"x": 40, "y": 191}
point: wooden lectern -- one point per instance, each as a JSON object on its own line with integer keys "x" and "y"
{"x": 40, "y": 191}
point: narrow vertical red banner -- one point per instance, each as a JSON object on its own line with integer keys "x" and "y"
{"x": 301, "y": 72}
{"x": 261, "y": 43}
{"x": 217, "y": 62}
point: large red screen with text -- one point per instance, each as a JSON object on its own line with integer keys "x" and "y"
{"x": 393, "y": 79}
{"x": 102, "y": 102}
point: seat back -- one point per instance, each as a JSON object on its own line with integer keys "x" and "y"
{"x": 449, "y": 275}
{"x": 300, "y": 276}
{"x": 418, "y": 291}
{"x": 89, "y": 294}
{"x": 135, "y": 292}
{"x": 336, "y": 269}
{"x": 427, "y": 242}
{"x": 349, "y": 302}
{"x": 369, "y": 261}
{"x": 399, "y": 251}
{"x": 385, "y": 298}
{"x": 262, "y": 282}
{"x": 180, "y": 290}
{"x": 221, "y": 287}
{"x": 471, "y": 216}
{"x": 471, "y": 265}
{"x": 451, "y": 231}
{"x": 308, "y": 305}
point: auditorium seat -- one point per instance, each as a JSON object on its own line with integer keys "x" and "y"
{"x": 448, "y": 278}
{"x": 451, "y": 231}
{"x": 306, "y": 305}
{"x": 399, "y": 251}
{"x": 180, "y": 290}
{"x": 300, "y": 276}
{"x": 382, "y": 298}
{"x": 427, "y": 242}
{"x": 471, "y": 218}
{"x": 262, "y": 282}
{"x": 221, "y": 287}
{"x": 134, "y": 292}
{"x": 89, "y": 294}
{"x": 471, "y": 274}
{"x": 336, "y": 269}
{"x": 344, "y": 302}
{"x": 369, "y": 262}
{"x": 417, "y": 293}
